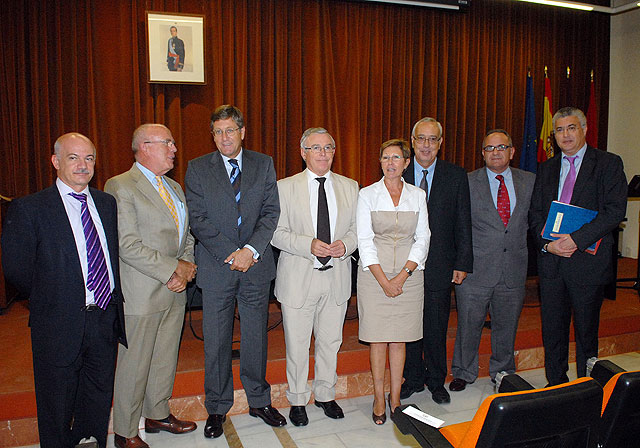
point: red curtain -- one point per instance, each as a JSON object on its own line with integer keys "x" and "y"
{"x": 365, "y": 71}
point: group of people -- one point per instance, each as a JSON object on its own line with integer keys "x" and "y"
{"x": 108, "y": 267}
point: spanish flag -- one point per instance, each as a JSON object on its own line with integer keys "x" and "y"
{"x": 545, "y": 144}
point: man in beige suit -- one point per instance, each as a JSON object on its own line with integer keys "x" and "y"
{"x": 316, "y": 234}
{"x": 156, "y": 254}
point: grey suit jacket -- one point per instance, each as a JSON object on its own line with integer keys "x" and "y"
{"x": 295, "y": 232}
{"x": 214, "y": 217}
{"x": 149, "y": 243}
{"x": 499, "y": 251}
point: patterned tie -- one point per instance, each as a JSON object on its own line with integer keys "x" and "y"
{"x": 235, "y": 179}
{"x": 166, "y": 197}
{"x": 569, "y": 182}
{"x": 323, "y": 227}
{"x": 97, "y": 273}
{"x": 504, "y": 205}
{"x": 424, "y": 184}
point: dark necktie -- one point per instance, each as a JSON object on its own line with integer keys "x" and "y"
{"x": 424, "y": 184}
{"x": 97, "y": 273}
{"x": 324, "y": 229}
{"x": 235, "y": 179}
{"x": 504, "y": 205}
{"x": 569, "y": 182}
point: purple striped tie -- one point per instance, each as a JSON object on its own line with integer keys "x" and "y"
{"x": 97, "y": 273}
{"x": 569, "y": 182}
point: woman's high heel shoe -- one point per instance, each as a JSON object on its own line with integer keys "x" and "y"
{"x": 379, "y": 419}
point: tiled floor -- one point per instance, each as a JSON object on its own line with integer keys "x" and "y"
{"x": 356, "y": 429}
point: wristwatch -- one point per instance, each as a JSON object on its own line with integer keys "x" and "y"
{"x": 544, "y": 248}
{"x": 408, "y": 271}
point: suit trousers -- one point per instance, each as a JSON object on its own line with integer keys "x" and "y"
{"x": 558, "y": 297}
{"x": 74, "y": 401}
{"x": 218, "y": 307}
{"x": 437, "y": 306}
{"x": 321, "y": 315}
{"x": 504, "y": 304}
{"x": 147, "y": 369}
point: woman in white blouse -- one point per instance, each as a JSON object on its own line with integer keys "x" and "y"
{"x": 393, "y": 241}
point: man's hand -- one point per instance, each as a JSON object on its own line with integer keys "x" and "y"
{"x": 320, "y": 248}
{"x": 241, "y": 260}
{"x": 458, "y": 276}
{"x": 186, "y": 270}
{"x": 176, "y": 283}
{"x": 564, "y": 246}
{"x": 337, "y": 249}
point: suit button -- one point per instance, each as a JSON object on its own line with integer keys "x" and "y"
{"x": 506, "y": 231}
{"x": 504, "y": 250}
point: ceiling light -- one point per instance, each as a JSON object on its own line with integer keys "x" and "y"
{"x": 572, "y": 5}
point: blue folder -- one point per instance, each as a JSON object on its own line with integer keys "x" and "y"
{"x": 567, "y": 218}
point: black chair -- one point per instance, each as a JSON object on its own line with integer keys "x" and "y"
{"x": 567, "y": 415}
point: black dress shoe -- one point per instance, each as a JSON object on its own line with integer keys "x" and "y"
{"x": 298, "y": 416}
{"x": 408, "y": 389}
{"x": 213, "y": 427}
{"x": 331, "y": 408}
{"x": 440, "y": 395}
{"x": 457, "y": 385}
{"x": 269, "y": 415}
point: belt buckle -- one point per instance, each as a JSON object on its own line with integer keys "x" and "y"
{"x": 325, "y": 268}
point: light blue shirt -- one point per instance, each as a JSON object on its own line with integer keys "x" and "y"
{"x": 180, "y": 207}
{"x": 494, "y": 185}
{"x": 417, "y": 173}
{"x": 228, "y": 166}
{"x": 73, "y": 207}
{"x": 564, "y": 169}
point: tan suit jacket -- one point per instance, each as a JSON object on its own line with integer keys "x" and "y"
{"x": 149, "y": 244}
{"x": 295, "y": 232}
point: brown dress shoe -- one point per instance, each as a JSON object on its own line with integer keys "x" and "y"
{"x": 133, "y": 442}
{"x": 173, "y": 426}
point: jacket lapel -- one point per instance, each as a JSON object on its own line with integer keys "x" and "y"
{"x": 585, "y": 175}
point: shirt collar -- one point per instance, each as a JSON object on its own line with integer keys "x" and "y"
{"x": 66, "y": 189}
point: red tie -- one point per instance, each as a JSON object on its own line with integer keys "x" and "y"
{"x": 504, "y": 205}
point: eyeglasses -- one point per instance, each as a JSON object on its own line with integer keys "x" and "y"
{"x": 164, "y": 142}
{"x": 431, "y": 140}
{"x": 394, "y": 157}
{"x": 317, "y": 149}
{"x": 490, "y": 148}
{"x": 229, "y": 131}
{"x": 571, "y": 129}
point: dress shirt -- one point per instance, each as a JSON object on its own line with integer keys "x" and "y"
{"x": 376, "y": 197}
{"x": 313, "y": 206}
{"x": 73, "y": 208}
{"x": 494, "y": 184}
{"x": 417, "y": 173}
{"x": 180, "y": 207}
{"x": 564, "y": 170}
{"x": 228, "y": 167}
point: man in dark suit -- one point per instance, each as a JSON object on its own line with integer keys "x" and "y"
{"x": 233, "y": 209}
{"x": 500, "y": 197}
{"x": 175, "y": 51}
{"x": 571, "y": 279}
{"x": 450, "y": 257}
{"x": 60, "y": 248}
{"x": 156, "y": 250}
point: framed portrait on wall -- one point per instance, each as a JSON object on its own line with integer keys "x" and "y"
{"x": 175, "y": 47}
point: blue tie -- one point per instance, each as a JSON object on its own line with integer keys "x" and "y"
{"x": 235, "y": 179}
